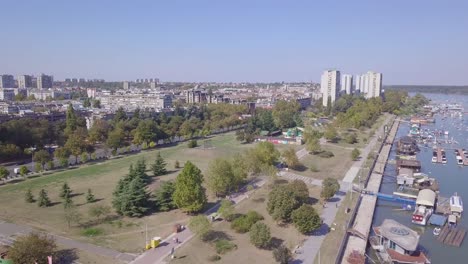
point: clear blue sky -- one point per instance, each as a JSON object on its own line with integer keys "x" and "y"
{"x": 409, "y": 41}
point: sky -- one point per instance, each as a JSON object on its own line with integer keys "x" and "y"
{"x": 410, "y": 42}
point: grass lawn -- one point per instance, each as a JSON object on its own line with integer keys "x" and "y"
{"x": 123, "y": 234}
{"x": 334, "y": 167}
{"x": 197, "y": 251}
{"x": 361, "y": 134}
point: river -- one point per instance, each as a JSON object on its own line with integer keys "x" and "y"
{"x": 452, "y": 178}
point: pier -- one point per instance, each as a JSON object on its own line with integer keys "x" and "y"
{"x": 366, "y": 206}
{"x": 451, "y": 236}
{"x": 462, "y": 155}
{"x": 439, "y": 155}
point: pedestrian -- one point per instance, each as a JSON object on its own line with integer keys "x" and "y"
{"x": 172, "y": 253}
{"x": 177, "y": 240}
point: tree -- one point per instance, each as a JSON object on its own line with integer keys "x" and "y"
{"x": 96, "y": 103}
{"x": 189, "y": 194}
{"x": 200, "y": 225}
{"x": 23, "y": 170}
{"x": 37, "y": 167}
{"x": 71, "y": 120}
{"x": 4, "y": 172}
{"x": 351, "y": 138}
{"x": 281, "y": 202}
{"x": 163, "y": 196}
{"x": 90, "y": 197}
{"x": 72, "y": 215}
{"x": 260, "y": 235}
{"x": 86, "y": 103}
{"x": 32, "y": 248}
{"x": 99, "y": 131}
{"x": 355, "y": 154}
{"x": 300, "y": 190}
{"x": 283, "y": 113}
{"x": 282, "y": 254}
{"x": 262, "y": 156}
{"x": 75, "y": 144}
{"x": 115, "y": 139}
{"x": 134, "y": 199}
{"x": 28, "y": 196}
{"x": 42, "y": 156}
{"x": 306, "y": 219}
{"x": 43, "y": 200}
{"x": 84, "y": 157}
{"x": 159, "y": 166}
{"x": 291, "y": 158}
{"x": 66, "y": 191}
{"x": 220, "y": 177}
{"x": 313, "y": 146}
{"x": 240, "y": 135}
{"x": 176, "y": 164}
{"x": 329, "y": 188}
{"x": 62, "y": 154}
{"x": 226, "y": 209}
{"x": 68, "y": 202}
{"x": 192, "y": 143}
{"x": 50, "y": 165}
{"x": 98, "y": 211}
{"x": 146, "y": 131}
{"x": 330, "y": 133}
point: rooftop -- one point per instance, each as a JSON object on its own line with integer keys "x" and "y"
{"x": 398, "y": 233}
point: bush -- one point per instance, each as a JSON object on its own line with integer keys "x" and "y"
{"x": 214, "y": 258}
{"x": 192, "y": 143}
{"x": 260, "y": 235}
{"x": 152, "y": 144}
{"x": 355, "y": 154}
{"x": 243, "y": 223}
{"x": 222, "y": 246}
{"x": 282, "y": 254}
{"x": 329, "y": 187}
{"x": 351, "y": 138}
{"x": 326, "y": 154}
{"x": 306, "y": 219}
{"x": 90, "y": 232}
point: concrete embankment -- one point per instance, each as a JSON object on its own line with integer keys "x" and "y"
{"x": 366, "y": 205}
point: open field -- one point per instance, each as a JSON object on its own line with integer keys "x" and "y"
{"x": 334, "y": 167}
{"x": 123, "y": 234}
{"x": 362, "y": 134}
{"x": 197, "y": 251}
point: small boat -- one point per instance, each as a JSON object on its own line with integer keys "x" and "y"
{"x": 434, "y": 159}
{"x": 459, "y": 161}
{"x": 436, "y": 231}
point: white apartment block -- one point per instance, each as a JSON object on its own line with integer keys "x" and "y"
{"x": 347, "y": 83}
{"x": 374, "y": 84}
{"x": 24, "y": 81}
{"x": 330, "y": 86}
{"x": 45, "y": 81}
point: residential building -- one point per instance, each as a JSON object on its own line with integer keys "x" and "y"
{"x": 153, "y": 85}
{"x": 7, "y": 81}
{"x": 330, "y": 86}
{"x": 347, "y": 83}
{"x": 7, "y": 94}
{"x": 45, "y": 81}
{"x": 374, "y": 84}
{"x": 126, "y": 85}
{"x": 24, "y": 81}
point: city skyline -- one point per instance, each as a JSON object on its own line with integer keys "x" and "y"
{"x": 236, "y": 42}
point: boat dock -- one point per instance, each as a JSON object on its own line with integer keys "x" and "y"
{"x": 439, "y": 155}
{"x": 462, "y": 155}
{"x": 451, "y": 236}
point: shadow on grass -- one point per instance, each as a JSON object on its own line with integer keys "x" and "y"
{"x": 300, "y": 167}
{"x": 66, "y": 256}
{"x": 95, "y": 201}
{"x": 275, "y": 242}
{"x": 214, "y": 235}
{"x": 99, "y": 221}
{"x": 76, "y": 194}
{"x": 54, "y": 204}
{"x": 259, "y": 200}
{"x": 281, "y": 181}
{"x": 312, "y": 200}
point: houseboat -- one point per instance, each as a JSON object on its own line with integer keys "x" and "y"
{"x": 424, "y": 207}
{"x": 407, "y": 146}
{"x": 396, "y": 243}
{"x": 456, "y": 205}
{"x": 434, "y": 155}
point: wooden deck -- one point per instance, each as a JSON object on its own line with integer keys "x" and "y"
{"x": 462, "y": 155}
{"x": 452, "y": 236}
{"x": 439, "y": 155}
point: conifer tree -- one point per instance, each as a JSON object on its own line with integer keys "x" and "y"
{"x": 66, "y": 191}
{"x": 68, "y": 202}
{"x": 90, "y": 197}
{"x": 29, "y": 196}
{"x": 159, "y": 166}
{"x": 43, "y": 200}
{"x": 189, "y": 194}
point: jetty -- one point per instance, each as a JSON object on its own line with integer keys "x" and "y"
{"x": 439, "y": 155}
{"x": 462, "y": 155}
{"x": 451, "y": 236}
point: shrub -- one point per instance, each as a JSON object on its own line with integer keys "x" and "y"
{"x": 152, "y": 144}
{"x": 222, "y": 246}
{"x": 326, "y": 154}
{"x": 90, "y": 232}
{"x": 355, "y": 154}
{"x": 306, "y": 219}
{"x": 351, "y": 138}
{"x": 214, "y": 258}
{"x": 329, "y": 187}
{"x": 260, "y": 235}
{"x": 282, "y": 254}
{"x": 243, "y": 223}
{"x": 192, "y": 143}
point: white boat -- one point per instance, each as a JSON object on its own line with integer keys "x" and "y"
{"x": 424, "y": 207}
{"x": 459, "y": 161}
{"x": 436, "y": 231}
{"x": 456, "y": 205}
{"x": 434, "y": 159}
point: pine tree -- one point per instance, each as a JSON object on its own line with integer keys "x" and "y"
{"x": 189, "y": 194}
{"x": 43, "y": 200}
{"x": 29, "y": 196}
{"x": 159, "y": 166}
{"x": 140, "y": 170}
{"x": 90, "y": 197}
{"x": 164, "y": 196}
{"x": 130, "y": 195}
{"x": 66, "y": 191}
{"x": 68, "y": 202}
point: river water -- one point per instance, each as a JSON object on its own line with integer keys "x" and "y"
{"x": 452, "y": 178}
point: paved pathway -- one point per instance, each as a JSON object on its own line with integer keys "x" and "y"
{"x": 8, "y": 232}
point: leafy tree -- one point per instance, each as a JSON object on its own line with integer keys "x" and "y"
{"x": 260, "y": 235}
{"x": 310, "y": 134}
{"x": 159, "y": 166}
{"x": 98, "y": 211}
{"x": 75, "y": 144}
{"x": 189, "y": 194}
{"x": 306, "y": 219}
{"x": 220, "y": 177}
{"x": 99, "y": 131}
{"x": 84, "y": 157}
{"x": 37, "y": 167}
{"x": 115, "y": 139}
{"x": 90, "y": 197}
{"x": 86, "y": 103}
{"x": 331, "y": 134}
{"x": 351, "y": 138}
{"x": 281, "y": 202}
{"x": 329, "y": 188}
{"x": 120, "y": 115}
{"x": 262, "y": 156}
{"x": 240, "y": 135}
{"x": 50, "y": 165}
{"x": 66, "y": 191}
{"x": 176, "y": 164}
{"x": 282, "y": 254}
{"x": 71, "y": 120}
{"x": 4, "y": 172}
{"x": 291, "y": 158}
{"x": 146, "y": 131}
{"x": 72, "y": 215}
{"x": 28, "y": 196}
{"x": 200, "y": 226}
{"x": 97, "y": 103}
{"x": 43, "y": 200}
{"x": 283, "y": 111}
{"x": 163, "y": 196}
{"x": 42, "y": 156}
{"x": 355, "y": 154}
{"x": 192, "y": 143}
{"x": 300, "y": 190}
{"x": 244, "y": 223}
{"x": 23, "y": 170}
{"x": 32, "y": 248}
{"x": 239, "y": 170}
{"x": 226, "y": 209}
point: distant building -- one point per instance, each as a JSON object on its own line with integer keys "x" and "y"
{"x": 82, "y": 80}
{"x": 304, "y": 102}
{"x": 347, "y": 83}
{"x": 126, "y": 85}
{"x": 374, "y": 84}
{"x": 91, "y": 92}
{"x": 45, "y": 81}
{"x": 67, "y": 80}
{"x": 7, "y": 94}
{"x": 24, "y": 81}
{"x": 7, "y": 81}
{"x": 74, "y": 80}
{"x": 330, "y": 86}
{"x": 153, "y": 85}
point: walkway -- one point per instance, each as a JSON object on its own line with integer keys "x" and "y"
{"x": 8, "y": 231}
